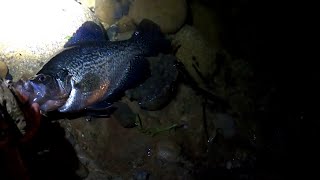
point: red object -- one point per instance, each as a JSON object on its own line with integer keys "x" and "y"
{"x": 14, "y": 166}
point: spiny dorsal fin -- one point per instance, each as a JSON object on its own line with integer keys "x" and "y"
{"x": 87, "y": 32}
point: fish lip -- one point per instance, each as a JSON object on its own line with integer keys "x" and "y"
{"x": 26, "y": 88}
{"x": 22, "y": 87}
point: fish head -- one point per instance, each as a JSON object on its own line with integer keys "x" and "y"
{"x": 46, "y": 90}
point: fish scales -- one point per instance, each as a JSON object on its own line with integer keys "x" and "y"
{"x": 87, "y": 74}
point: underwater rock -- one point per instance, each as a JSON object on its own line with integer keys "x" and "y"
{"x": 89, "y": 3}
{"x": 157, "y": 90}
{"x": 121, "y": 30}
{"x": 110, "y": 11}
{"x": 124, "y": 115}
{"x": 42, "y": 28}
{"x": 141, "y": 175}
{"x": 205, "y": 20}
{"x": 112, "y": 32}
{"x": 107, "y": 144}
{"x": 82, "y": 171}
{"x": 195, "y": 53}
{"x": 186, "y": 111}
{"x": 170, "y": 15}
{"x": 126, "y": 24}
{"x": 167, "y": 151}
{"x": 226, "y": 123}
{"x": 3, "y": 69}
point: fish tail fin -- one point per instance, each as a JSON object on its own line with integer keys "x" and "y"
{"x": 149, "y": 36}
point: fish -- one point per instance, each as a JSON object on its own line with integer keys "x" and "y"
{"x": 87, "y": 74}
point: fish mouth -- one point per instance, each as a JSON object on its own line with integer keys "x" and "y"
{"x": 38, "y": 93}
{"x": 22, "y": 88}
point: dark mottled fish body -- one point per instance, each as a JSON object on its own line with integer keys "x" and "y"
{"x": 88, "y": 73}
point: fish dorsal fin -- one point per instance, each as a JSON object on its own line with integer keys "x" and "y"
{"x": 149, "y": 35}
{"x": 87, "y": 32}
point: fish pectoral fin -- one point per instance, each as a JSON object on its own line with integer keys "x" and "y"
{"x": 52, "y": 105}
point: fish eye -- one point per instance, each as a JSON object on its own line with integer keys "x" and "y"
{"x": 41, "y": 78}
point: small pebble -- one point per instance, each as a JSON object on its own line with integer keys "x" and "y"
{"x": 82, "y": 171}
{"x": 141, "y": 175}
{"x": 168, "y": 151}
{"x": 3, "y": 69}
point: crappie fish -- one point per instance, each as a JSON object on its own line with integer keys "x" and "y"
{"x": 87, "y": 74}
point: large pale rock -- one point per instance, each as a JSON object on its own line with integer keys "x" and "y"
{"x": 195, "y": 53}
{"x": 170, "y": 15}
{"x": 206, "y": 20}
{"x": 89, "y": 3}
{"x": 110, "y": 11}
{"x": 34, "y": 30}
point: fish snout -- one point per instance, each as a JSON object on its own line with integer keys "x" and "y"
{"x": 22, "y": 89}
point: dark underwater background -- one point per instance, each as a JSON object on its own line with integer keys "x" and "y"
{"x": 246, "y": 119}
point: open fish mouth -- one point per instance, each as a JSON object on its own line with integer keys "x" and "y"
{"x": 23, "y": 88}
{"x": 48, "y": 99}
